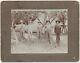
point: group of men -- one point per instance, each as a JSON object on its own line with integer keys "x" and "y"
{"x": 21, "y": 29}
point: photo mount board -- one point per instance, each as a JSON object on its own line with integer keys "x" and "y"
{"x": 73, "y": 31}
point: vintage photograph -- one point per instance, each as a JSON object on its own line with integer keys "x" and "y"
{"x": 39, "y": 31}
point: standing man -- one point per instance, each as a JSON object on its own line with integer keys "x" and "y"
{"x": 47, "y": 30}
{"x": 39, "y": 29}
{"x": 22, "y": 31}
{"x": 30, "y": 31}
{"x": 57, "y": 31}
{"x": 18, "y": 31}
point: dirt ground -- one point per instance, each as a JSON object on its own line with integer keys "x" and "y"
{"x": 40, "y": 45}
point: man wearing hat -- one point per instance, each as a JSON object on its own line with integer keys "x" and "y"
{"x": 57, "y": 31}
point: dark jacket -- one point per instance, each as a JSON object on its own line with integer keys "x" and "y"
{"x": 57, "y": 29}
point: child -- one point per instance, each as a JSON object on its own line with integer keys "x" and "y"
{"x": 57, "y": 31}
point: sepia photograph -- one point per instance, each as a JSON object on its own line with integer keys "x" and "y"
{"x": 45, "y": 31}
{"x": 39, "y": 31}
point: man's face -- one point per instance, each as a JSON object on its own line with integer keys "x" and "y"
{"x": 57, "y": 22}
{"x": 21, "y": 21}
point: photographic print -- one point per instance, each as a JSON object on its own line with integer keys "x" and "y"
{"x": 45, "y": 31}
{"x": 39, "y": 31}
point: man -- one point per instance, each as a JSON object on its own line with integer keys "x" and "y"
{"x": 39, "y": 29}
{"x": 22, "y": 29}
{"x": 47, "y": 30}
{"x": 19, "y": 29}
{"x": 57, "y": 31}
{"x": 30, "y": 29}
